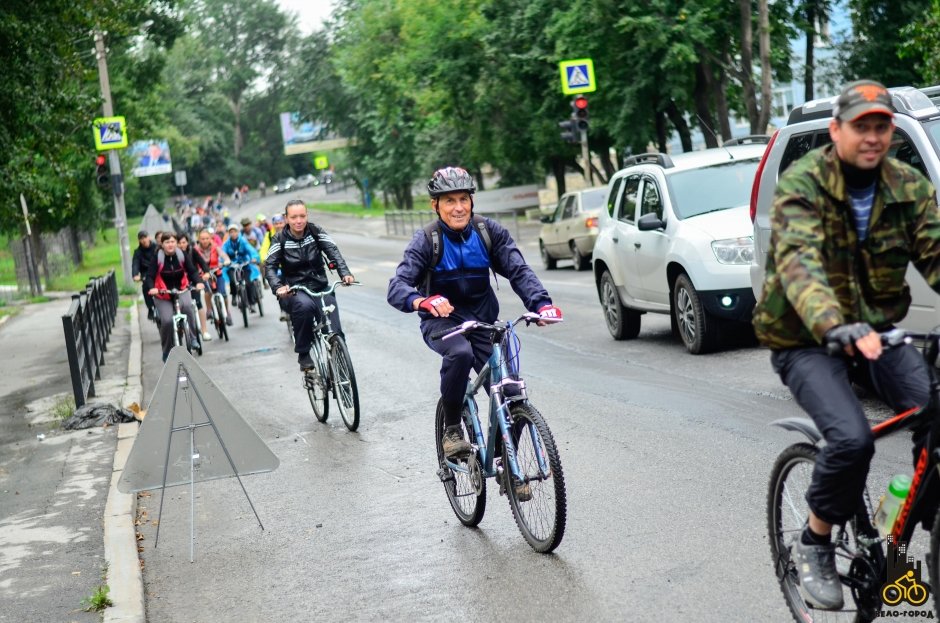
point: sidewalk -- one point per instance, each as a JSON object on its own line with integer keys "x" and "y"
{"x": 54, "y": 483}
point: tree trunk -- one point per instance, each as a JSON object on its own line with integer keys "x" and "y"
{"x": 558, "y": 170}
{"x": 237, "y": 137}
{"x": 661, "y": 131}
{"x": 747, "y": 65}
{"x": 703, "y": 89}
{"x": 721, "y": 105}
{"x": 809, "y": 69}
{"x": 766, "y": 73}
{"x": 75, "y": 246}
{"x": 478, "y": 174}
{"x": 675, "y": 116}
{"x": 609, "y": 168}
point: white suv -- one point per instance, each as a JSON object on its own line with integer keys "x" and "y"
{"x": 916, "y": 141}
{"x": 678, "y": 241}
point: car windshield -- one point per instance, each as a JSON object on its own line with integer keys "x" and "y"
{"x": 933, "y": 129}
{"x": 709, "y": 189}
{"x": 594, "y": 199}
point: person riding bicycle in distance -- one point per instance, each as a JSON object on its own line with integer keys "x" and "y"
{"x": 297, "y": 252}
{"x": 240, "y": 252}
{"x": 845, "y": 221}
{"x": 457, "y": 288}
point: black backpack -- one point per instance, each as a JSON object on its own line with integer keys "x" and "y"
{"x": 432, "y": 232}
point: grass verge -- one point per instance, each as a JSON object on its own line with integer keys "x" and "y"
{"x": 63, "y": 408}
{"x": 354, "y": 209}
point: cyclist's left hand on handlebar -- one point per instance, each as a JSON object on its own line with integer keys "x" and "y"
{"x": 348, "y": 279}
{"x": 856, "y": 334}
{"x": 549, "y": 313}
{"x": 282, "y": 291}
{"x": 200, "y": 286}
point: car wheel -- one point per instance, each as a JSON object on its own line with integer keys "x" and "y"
{"x": 697, "y": 328}
{"x": 581, "y": 262}
{"x": 622, "y": 322}
{"x": 547, "y": 260}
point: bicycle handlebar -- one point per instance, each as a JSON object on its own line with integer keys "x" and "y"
{"x": 473, "y": 325}
{"x": 889, "y": 338}
{"x": 324, "y": 292}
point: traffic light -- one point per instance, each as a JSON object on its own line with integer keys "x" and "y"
{"x": 579, "y": 110}
{"x": 569, "y": 131}
{"x": 102, "y": 174}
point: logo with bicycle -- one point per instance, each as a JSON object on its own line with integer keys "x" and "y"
{"x": 903, "y": 580}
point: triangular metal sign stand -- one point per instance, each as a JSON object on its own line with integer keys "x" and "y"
{"x": 212, "y": 442}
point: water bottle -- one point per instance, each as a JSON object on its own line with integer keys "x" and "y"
{"x": 891, "y": 503}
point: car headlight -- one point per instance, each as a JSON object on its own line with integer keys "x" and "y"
{"x": 734, "y": 250}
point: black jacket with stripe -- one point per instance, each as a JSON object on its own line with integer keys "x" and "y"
{"x": 300, "y": 260}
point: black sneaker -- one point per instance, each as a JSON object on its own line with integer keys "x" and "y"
{"x": 816, "y": 565}
{"x": 284, "y": 317}
{"x": 149, "y": 314}
{"x": 305, "y": 362}
{"x": 453, "y": 443}
{"x": 228, "y": 321}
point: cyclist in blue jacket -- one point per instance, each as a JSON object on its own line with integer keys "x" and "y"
{"x": 240, "y": 251}
{"x": 458, "y": 288}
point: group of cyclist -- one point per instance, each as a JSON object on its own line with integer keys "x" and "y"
{"x": 846, "y": 221}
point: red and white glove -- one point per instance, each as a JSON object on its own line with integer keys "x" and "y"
{"x": 550, "y": 312}
{"x": 431, "y": 303}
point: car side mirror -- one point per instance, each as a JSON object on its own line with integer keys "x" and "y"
{"x": 650, "y": 222}
{"x": 547, "y": 219}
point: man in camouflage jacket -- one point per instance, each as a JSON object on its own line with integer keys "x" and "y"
{"x": 846, "y": 221}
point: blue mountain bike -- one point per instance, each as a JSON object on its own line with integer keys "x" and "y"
{"x": 517, "y": 446}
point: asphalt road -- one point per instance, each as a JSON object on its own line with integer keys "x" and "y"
{"x": 666, "y": 458}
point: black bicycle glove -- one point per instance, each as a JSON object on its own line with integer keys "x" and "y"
{"x": 847, "y": 334}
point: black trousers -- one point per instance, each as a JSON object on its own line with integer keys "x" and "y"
{"x": 304, "y": 310}
{"x": 461, "y": 354}
{"x": 148, "y": 300}
{"x": 821, "y": 386}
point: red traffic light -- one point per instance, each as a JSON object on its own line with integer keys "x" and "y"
{"x": 100, "y": 159}
{"x": 580, "y": 102}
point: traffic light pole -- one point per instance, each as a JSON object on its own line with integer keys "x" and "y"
{"x": 117, "y": 183}
{"x": 586, "y": 157}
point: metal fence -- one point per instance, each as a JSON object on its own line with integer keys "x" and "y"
{"x": 406, "y": 222}
{"x": 88, "y": 325}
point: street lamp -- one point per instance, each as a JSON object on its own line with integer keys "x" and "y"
{"x": 117, "y": 182}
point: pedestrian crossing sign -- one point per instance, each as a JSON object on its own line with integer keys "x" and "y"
{"x": 577, "y": 76}
{"x": 321, "y": 162}
{"x": 110, "y": 133}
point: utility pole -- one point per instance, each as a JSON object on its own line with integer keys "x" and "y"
{"x": 586, "y": 157}
{"x": 117, "y": 182}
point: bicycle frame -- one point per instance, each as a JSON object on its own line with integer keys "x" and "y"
{"x": 926, "y": 479}
{"x": 500, "y": 370}
{"x": 321, "y": 339}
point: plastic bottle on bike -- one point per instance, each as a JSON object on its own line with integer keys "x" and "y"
{"x": 891, "y": 503}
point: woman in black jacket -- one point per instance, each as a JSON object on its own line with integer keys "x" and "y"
{"x": 172, "y": 270}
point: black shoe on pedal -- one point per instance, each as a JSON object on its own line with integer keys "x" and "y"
{"x": 305, "y": 362}
{"x": 819, "y": 579}
{"x": 453, "y": 444}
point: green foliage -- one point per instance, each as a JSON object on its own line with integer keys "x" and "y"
{"x": 63, "y": 409}
{"x": 98, "y": 600}
{"x": 875, "y": 50}
{"x": 921, "y": 44}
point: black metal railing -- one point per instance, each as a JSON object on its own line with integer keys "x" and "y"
{"x": 88, "y": 327}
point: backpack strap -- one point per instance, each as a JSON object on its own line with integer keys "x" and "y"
{"x": 432, "y": 232}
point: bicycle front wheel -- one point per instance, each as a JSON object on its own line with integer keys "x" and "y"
{"x": 258, "y": 296}
{"x": 787, "y": 513}
{"x": 538, "y": 502}
{"x": 316, "y": 384}
{"x": 243, "y": 302}
{"x": 343, "y": 379}
{"x": 219, "y": 307}
{"x": 465, "y": 491}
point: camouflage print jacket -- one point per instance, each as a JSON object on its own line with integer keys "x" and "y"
{"x": 819, "y": 275}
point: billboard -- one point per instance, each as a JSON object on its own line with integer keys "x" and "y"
{"x": 299, "y": 136}
{"x": 151, "y": 157}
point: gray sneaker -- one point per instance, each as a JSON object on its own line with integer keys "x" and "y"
{"x": 816, "y": 565}
{"x": 453, "y": 443}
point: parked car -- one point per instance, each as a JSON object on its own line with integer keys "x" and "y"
{"x": 915, "y": 142}
{"x": 678, "y": 242}
{"x": 305, "y": 181}
{"x": 284, "y": 185}
{"x": 570, "y": 231}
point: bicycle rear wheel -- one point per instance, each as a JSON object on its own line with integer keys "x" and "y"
{"x": 317, "y": 385}
{"x": 787, "y": 513}
{"x": 541, "y": 519}
{"x": 466, "y": 492}
{"x": 343, "y": 379}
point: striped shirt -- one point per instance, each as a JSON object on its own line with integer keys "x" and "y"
{"x": 862, "y": 200}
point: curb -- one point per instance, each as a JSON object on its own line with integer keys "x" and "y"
{"x": 120, "y": 539}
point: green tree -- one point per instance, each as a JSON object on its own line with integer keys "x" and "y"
{"x": 921, "y": 44}
{"x": 874, "y": 51}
